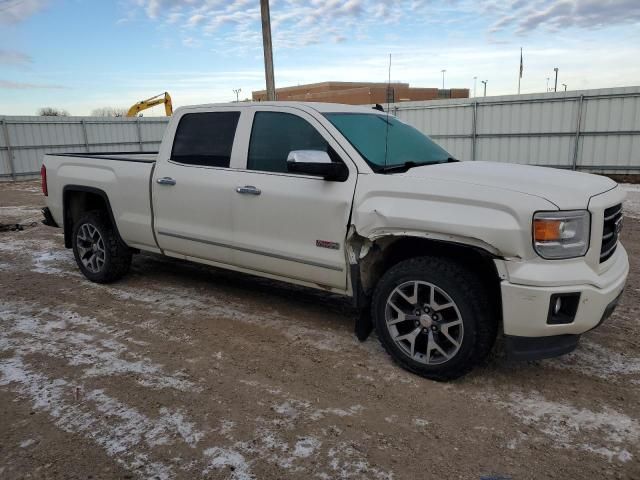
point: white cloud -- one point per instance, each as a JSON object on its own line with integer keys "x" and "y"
{"x": 295, "y": 23}
{"x": 13, "y": 57}
{"x": 9, "y": 85}
{"x": 526, "y": 17}
{"x": 15, "y": 11}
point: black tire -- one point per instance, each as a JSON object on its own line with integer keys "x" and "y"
{"x": 474, "y": 306}
{"x": 117, "y": 256}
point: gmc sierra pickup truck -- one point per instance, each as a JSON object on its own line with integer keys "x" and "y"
{"x": 439, "y": 256}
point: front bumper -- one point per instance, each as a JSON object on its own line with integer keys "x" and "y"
{"x": 526, "y": 308}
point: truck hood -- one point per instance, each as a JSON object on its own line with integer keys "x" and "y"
{"x": 564, "y": 188}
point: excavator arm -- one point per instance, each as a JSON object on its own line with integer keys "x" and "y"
{"x": 152, "y": 102}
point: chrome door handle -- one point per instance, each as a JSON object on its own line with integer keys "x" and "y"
{"x": 166, "y": 181}
{"x": 249, "y": 190}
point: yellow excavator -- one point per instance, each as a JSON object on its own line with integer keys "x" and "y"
{"x": 152, "y": 102}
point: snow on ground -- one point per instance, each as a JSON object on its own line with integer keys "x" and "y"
{"x": 608, "y": 433}
{"x": 596, "y": 360}
{"x": 96, "y": 349}
{"x": 632, "y": 203}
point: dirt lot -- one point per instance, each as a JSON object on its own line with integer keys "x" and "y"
{"x": 182, "y": 371}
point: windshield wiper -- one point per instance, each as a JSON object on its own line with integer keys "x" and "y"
{"x": 402, "y": 167}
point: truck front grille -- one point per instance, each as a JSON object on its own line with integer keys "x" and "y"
{"x": 610, "y": 231}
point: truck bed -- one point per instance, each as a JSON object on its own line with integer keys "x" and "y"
{"x": 123, "y": 179}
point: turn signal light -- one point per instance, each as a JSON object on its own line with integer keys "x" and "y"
{"x": 546, "y": 230}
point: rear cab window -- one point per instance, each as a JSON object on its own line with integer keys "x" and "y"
{"x": 205, "y": 139}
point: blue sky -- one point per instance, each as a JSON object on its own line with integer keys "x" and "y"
{"x": 84, "y": 54}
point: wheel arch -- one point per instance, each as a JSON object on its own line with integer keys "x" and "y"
{"x": 79, "y": 199}
{"x": 371, "y": 258}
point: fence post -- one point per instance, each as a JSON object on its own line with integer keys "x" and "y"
{"x": 12, "y": 169}
{"x": 139, "y": 133}
{"x": 574, "y": 163}
{"x": 474, "y": 130}
{"x": 84, "y": 134}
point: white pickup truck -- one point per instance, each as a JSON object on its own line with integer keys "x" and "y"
{"x": 438, "y": 255}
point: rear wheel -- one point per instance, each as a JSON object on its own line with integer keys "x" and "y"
{"x": 98, "y": 251}
{"x": 434, "y": 317}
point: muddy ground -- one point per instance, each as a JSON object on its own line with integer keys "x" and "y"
{"x": 182, "y": 371}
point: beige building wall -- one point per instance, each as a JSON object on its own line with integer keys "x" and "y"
{"x": 358, "y": 93}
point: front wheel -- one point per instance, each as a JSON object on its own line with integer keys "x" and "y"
{"x": 434, "y": 317}
{"x": 99, "y": 252}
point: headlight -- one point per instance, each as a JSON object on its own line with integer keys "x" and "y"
{"x": 561, "y": 234}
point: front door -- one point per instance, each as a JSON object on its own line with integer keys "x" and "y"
{"x": 291, "y": 225}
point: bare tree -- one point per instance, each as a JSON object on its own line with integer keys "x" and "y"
{"x": 109, "y": 112}
{"x": 52, "y": 112}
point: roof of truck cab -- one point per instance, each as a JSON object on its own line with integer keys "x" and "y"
{"x": 318, "y": 106}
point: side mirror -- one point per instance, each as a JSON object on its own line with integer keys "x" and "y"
{"x": 316, "y": 162}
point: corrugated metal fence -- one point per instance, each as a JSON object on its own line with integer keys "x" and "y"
{"x": 591, "y": 130}
{"x": 24, "y": 140}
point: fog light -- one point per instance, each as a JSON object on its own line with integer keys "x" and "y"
{"x": 557, "y": 306}
{"x": 563, "y": 308}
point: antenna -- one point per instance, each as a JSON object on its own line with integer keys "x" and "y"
{"x": 386, "y": 135}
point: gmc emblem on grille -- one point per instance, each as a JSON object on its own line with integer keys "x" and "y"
{"x": 618, "y": 228}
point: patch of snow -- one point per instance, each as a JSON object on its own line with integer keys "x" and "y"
{"x": 114, "y": 426}
{"x": 29, "y": 329}
{"x": 44, "y": 255}
{"x": 598, "y": 361}
{"x": 607, "y": 432}
{"x": 420, "y": 422}
{"x": 43, "y": 260}
{"x": 305, "y": 447}
{"x": 347, "y": 462}
{"x": 27, "y": 443}
{"x": 19, "y": 214}
{"x": 222, "y": 457}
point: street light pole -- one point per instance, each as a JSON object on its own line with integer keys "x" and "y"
{"x": 565, "y": 86}
{"x": 443, "y": 78}
{"x": 475, "y": 80}
{"x": 485, "y": 87}
{"x": 268, "y": 50}
{"x": 555, "y": 87}
{"x": 237, "y": 91}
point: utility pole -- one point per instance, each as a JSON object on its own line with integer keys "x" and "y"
{"x": 237, "y": 92}
{"x": 565, "y": 86}
{"x": 443, "y": 78}
{"x": 555, "y": 87}
{"x": 485, "y": 86}
{"x": 475, "y": 80}
{"x": 268, "y": 50}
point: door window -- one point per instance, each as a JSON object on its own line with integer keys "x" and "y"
{"x": 275, "y": 134}
{"x": 205, "y": 138}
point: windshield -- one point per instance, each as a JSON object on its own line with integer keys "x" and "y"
{"x": 399, "y": 143}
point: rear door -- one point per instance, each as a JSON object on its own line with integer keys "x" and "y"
{"x": 286, "y": 224}
{"x": 193, "y": 185}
